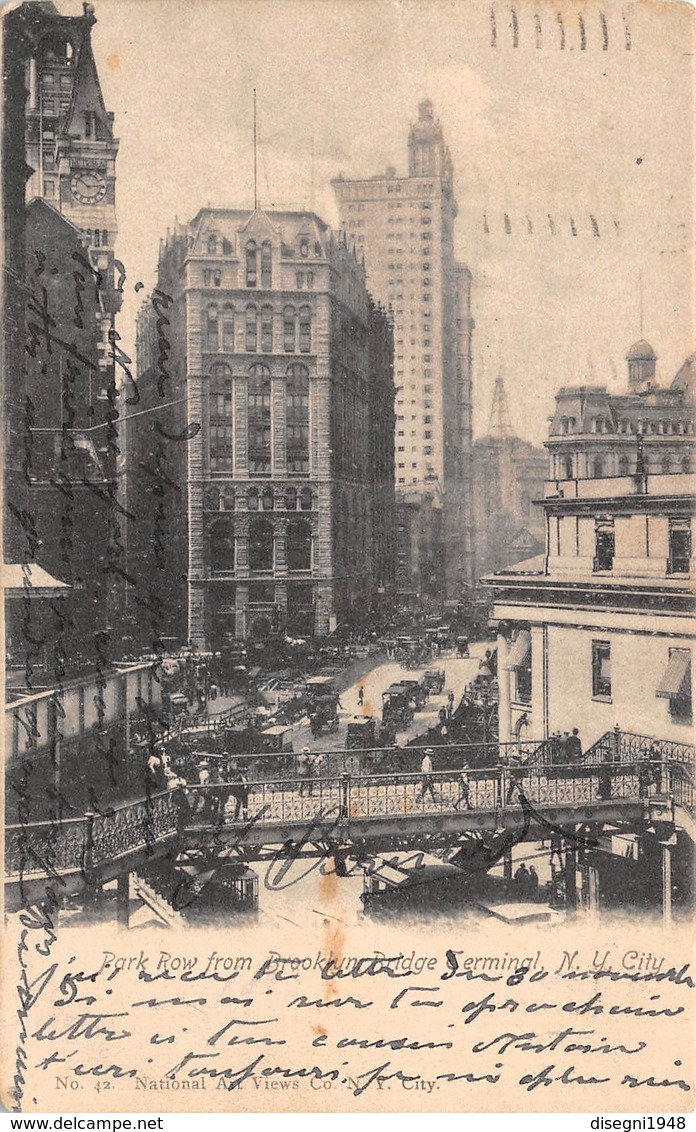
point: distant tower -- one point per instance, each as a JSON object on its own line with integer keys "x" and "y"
{"x": 641, "y": 360}
{"x": 428, "y": 156}
{"x": 500, "y": 425}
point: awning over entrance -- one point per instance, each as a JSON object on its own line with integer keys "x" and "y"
{"x": 677, "y": 675}
{"x": 521, "y": 651}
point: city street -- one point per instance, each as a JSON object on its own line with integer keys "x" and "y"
{"x": 459, "y": 672}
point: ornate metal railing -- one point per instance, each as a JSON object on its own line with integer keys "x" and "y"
{"x": 89, "y": 843}
{"x": 626, "y": 746}
{"x": 85, "y": 844}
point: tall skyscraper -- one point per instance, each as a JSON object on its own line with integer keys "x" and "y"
{"x": 404, "y": 227}
{"x": 277, "y": 515}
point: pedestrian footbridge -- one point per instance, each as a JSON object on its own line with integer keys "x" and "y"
{"x": 623, "y": 779}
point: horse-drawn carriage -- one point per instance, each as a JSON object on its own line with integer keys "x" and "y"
{"x": 396, "y": 707}
{"x": 434, "y": 680}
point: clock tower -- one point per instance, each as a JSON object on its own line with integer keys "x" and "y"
{"x": 71, "y": 147}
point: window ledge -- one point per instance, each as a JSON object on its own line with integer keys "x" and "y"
{"x": 603, "y": 699}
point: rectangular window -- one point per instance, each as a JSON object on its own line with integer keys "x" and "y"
{"x": 523, "y": 684}
{"x": 680, "y": 705}
{"x": 221, "y": 425}
{"x": 679, "y": 560}
{"x": 604, "y": 545}
{"x": 601, "y": 670}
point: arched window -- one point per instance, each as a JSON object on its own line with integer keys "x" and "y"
{"x": 222, "y": 547}
{"x": 299, "y": 545}
{"x": 598, "y": 467}
{"x": 305, "y": 330}
{"x": 291, "y": 499}
{"x": 212, "y": 244}
{"x": 211, "y": 329}
{"x": 306, "y": 499}
{"x": 267, "y": 499}
{"x": 304, "y": 247}
{"x": 253, "y": 499}
{"x": 289, "y": 330}
{"x": 567, "y": 467}
{"x": 259, "y": 419}
{"x": 220, "y": 414}
{"x": 228, "y": 329}
{"x": 267, "y": 328}
{"x": 250, "y": 340}
{"x": 266, "y": 264}
{"x": 317, "y": 249}
{"x": 250, "y": 252}
{"x": 623, "y": 465}
{"x": 297, "y": 418}
{"x": 260, "y": 545}
{"x": 665, "y": 465}
{"x": 686, "y": 463}
{"x": 228, "y": 499}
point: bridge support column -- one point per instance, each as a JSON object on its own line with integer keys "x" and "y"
{"x": 571, "y": 887}
{"x": 507, "y": 864}
{"x": 590, "y": 889}
{"x": 123, "y": 899}
{"x": 666, "y": 885}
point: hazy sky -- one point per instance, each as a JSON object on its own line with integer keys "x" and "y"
{"x": 535, "y": 132}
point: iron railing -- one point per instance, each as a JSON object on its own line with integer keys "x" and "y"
{"x": 89, "y": 843}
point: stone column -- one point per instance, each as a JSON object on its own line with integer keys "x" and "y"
{"x": 666, "y": 885}
{"x": 323, "y": 609}
{"x": 280, "y": 547}
{"x": 504, "y": 692}
{"x": 571, "y": 888}
{"x": 242, "y": 599}
{"x": 239, "y": 417}
{"x": 241, "y": 532}
{"x": 278, "y": 423}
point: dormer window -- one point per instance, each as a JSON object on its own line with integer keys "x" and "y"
{"x": 212, "y": 244}
{"x": 304, "y": 248}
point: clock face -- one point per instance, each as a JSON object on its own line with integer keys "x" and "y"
{"x": 87, "y": 186}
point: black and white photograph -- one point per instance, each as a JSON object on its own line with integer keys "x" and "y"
{"x": 348, "y": 487}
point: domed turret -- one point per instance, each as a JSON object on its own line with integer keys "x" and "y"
{"x": 641, "y": 360}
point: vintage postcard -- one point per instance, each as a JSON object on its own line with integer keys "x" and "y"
{"x": 349, "y": 477}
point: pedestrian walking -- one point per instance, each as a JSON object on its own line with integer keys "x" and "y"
{"x": 655, "y": 760}
{"x": 306, "y": 771}
{"x": 645, "y": 778}
{"x": 574, "y": 747}
{"x": 427, "y": 772}
{"x": 515, "y": 778}
{"x": 522, "y": 878}
{"x": 361, "y": 696}
{"x": 604, "y": 777}
{"x": 533, "y": 880}
{"x": 450, "y": 704}
{"x": 239, "y": 790}
{"x": 463, "y": 788}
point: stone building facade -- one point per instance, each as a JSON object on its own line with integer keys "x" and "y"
{"x": 404, "y": 228}
{"x": 61, "y": 300}
{"x": 597, "y": 434}
{"x": 276, "y": 369}
{"x": 599, "y": 630}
